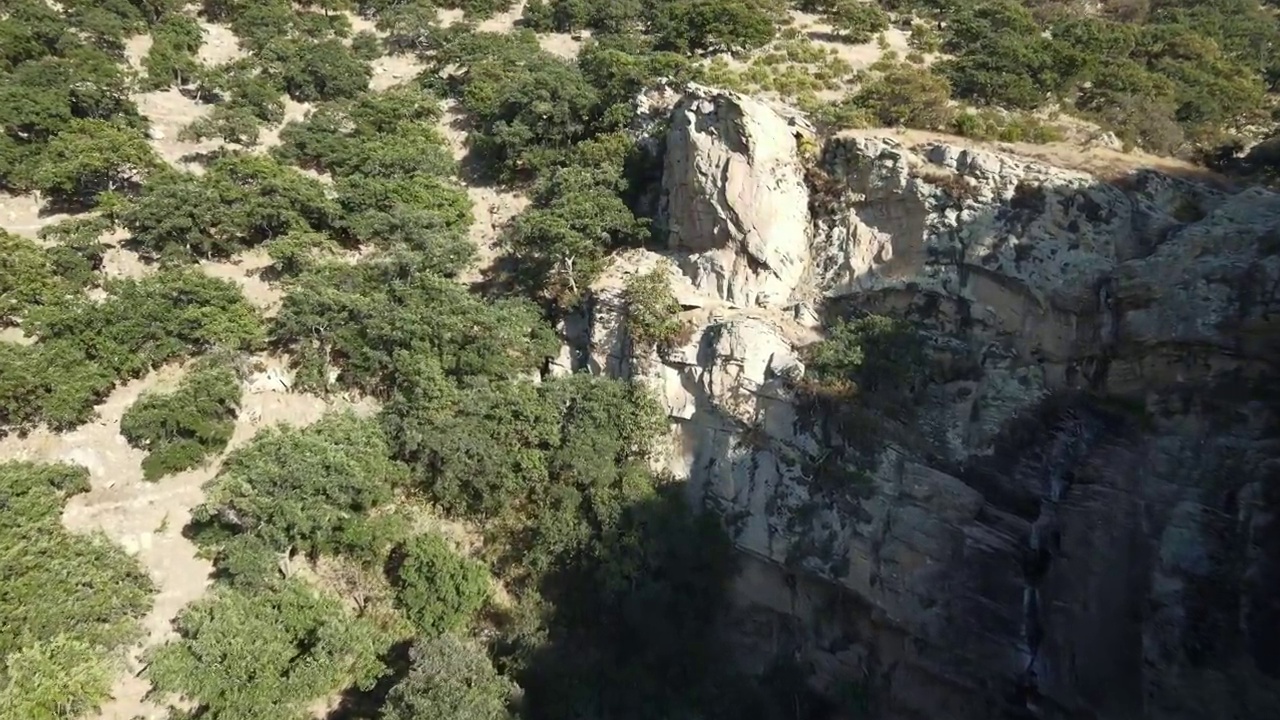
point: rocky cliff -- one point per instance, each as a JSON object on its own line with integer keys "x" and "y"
{"x": 1071, "y": 512}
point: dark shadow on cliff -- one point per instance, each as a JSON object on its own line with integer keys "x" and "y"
{"x": 637, "y": 627}
{"x": 1125, "y": 580}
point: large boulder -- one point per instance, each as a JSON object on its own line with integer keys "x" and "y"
{"x": 735, "y": 202}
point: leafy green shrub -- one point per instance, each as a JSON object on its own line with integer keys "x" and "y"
{"x": 1004, "y": 127}
{"x": 872, "y": 355}
{"x": 27, "y": 277}
{"x": 366, "y": 46}
{"x": 181, "y": 428}
{"x": 279, "y": 649}
{"x": 449, "y": 678}
{"x": 69, "y": 600}
{"x": 438, "y": 589}
{"x": 309, "y": 490}
{"x": 58, "y": 679}
{"x": 652, "y": 310}
{"x": 906, "y": 96}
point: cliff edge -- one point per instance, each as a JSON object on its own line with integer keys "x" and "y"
{"x": 1070, "y": 510}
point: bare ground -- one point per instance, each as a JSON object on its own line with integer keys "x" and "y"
{"x": 491, "y": 207}
{"x": 147, "y": 518}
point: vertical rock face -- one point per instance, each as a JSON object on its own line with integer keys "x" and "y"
{"x": 735, "y": 198}
{"x": 1076, "y": 516}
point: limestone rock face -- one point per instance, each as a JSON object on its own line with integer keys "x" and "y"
{"x": 735, "y": 198}
{"x": 1076, "y": 516}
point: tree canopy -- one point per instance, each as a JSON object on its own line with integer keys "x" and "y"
{"x": 68, "y": 604}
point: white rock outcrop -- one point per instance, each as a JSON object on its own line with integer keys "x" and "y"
{"x": 735, "y": 199}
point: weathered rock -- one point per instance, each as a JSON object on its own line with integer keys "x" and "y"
{"x": 1003, "y": 548}
{"x": 735, "y": 199}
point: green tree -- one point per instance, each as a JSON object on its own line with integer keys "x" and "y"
{"x": 308, "y": 490}
{"x": 856, "y": 21}
{"x": 363, "y": 318}
{"x": 905, "y": 96}
{"x": 230, "y": 123}
{"x": 530, "y": 106}
{"x": 563, "y": 239}
{"x": 84, "y": 347}
{"x": 438, "y": 589}
{"x": 449, "y": 678}
{"x": 180, "y": 429}
{"x": 711, "y": 25}
{"x": 93, "y": 156}
{"x": 41, "y": 98}
{"x": 265, "y": 654}
{"x": 325, "y": 70}
{"x": 478, "y": 452}
{"x": 172, "y": 59}
{"x": 239, "y": 202}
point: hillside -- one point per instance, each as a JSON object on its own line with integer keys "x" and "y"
{"x": 409, "y": 359}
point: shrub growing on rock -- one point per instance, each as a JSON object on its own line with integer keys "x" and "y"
{"x": 652, "y": 310}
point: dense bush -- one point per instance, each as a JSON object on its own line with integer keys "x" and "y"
{"x": 305, "y": 491}
{"x": 449, "y": 678}
{"x": 180, "y": 429}
{"x": 84, "y": 347}
{"x": 439, "y": 590}
{"x": 652, "y": 309}
{"x": 870, "y": 356}
{"x": 67, "y": 603}
{"x": 278, "y": 651}
{"x": 28, "y": 278}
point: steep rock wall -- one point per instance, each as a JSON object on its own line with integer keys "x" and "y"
{"x": 1076, "y": 519}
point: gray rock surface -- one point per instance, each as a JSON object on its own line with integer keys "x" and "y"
{"x": 1083, "y": 499}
